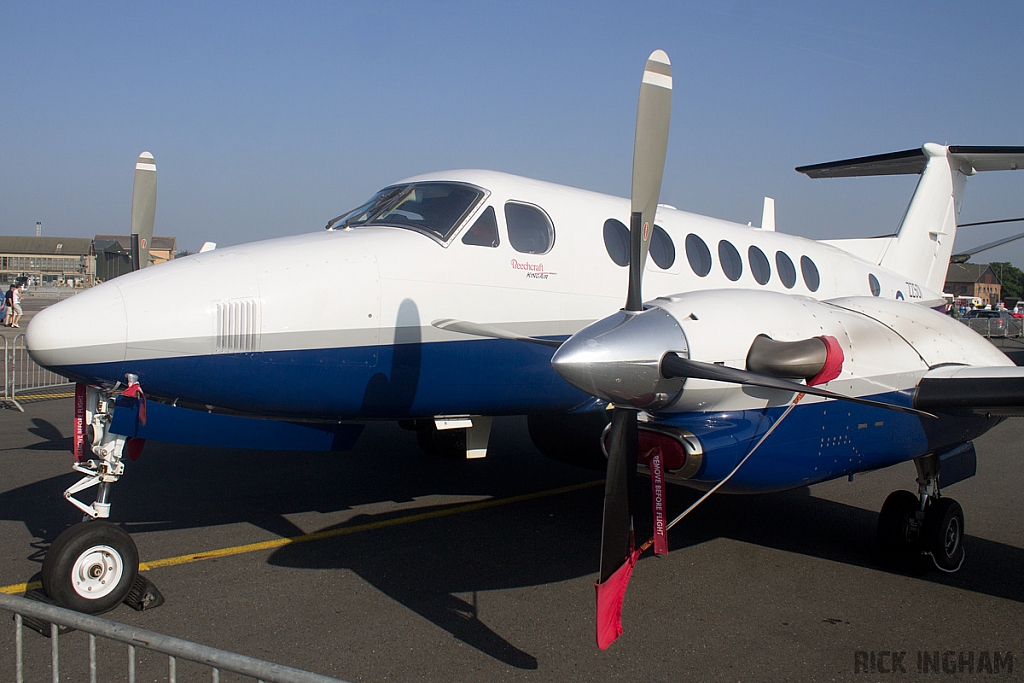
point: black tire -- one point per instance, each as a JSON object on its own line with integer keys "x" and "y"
{"x": 943, "y": 534}
{"x": 91, "y": 567}
{"x": 898, "y": 538}
{"x": 572, "y": 439}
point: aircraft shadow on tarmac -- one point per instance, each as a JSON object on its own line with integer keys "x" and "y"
{"x": 52, "y": 438}
{"x": 425, "y": 564}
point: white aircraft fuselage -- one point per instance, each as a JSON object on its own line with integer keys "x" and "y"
{"x": 336, "y": 324}
{"x": 441, "y": 299}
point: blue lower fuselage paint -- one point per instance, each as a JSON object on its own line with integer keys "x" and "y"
{"x": 481, "y": 377}
{"x": 816, "y": 442}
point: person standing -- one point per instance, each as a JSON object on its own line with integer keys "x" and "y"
{"x": 9, "y": 305}
{"x": 16, "y": 305}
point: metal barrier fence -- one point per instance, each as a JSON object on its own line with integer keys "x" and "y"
{"x": 7, "y": 376}
{"x": 996, "y": 327}
{"x": 48, "y": 294}
{"x": 51, "y": 618}
{"x": 23, "y": 375}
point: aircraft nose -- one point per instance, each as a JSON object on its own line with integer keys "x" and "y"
{"x": 86, "y": 329}
{"x": 618, "y": 358}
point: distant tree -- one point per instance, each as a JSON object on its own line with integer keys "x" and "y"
{"x": 183, "y": 252}
{"x": 1012, "y": 278}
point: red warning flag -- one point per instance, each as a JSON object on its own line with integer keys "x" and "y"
{"x": 78, "y": 426}
{"x": 610, "y": 595}
{"x": 135, "y": 390}
{"x": 658, "y": 501}
{"x": 133, "y": 448}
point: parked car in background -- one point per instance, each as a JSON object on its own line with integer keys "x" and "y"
{"x": 998, "y": 323}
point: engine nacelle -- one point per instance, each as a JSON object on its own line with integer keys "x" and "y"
{"x": 885, "y": 346}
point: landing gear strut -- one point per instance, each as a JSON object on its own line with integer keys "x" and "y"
{"x": 93, "y": 566}
{"x": 911, "y": 527}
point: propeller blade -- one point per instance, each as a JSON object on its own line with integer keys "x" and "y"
{"x": 616, "y": 544}
{"x": 143, "y": 207}
{"x": 649, "y": 148}
{"x": 673, "y": 366}
{"x": 478, "y": 330}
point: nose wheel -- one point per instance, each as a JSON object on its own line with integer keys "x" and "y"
{"x": 91, "y": 567}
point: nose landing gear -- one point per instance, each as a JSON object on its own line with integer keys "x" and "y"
{"x": 94, "y": 565}
{"x": 912, "y": 528}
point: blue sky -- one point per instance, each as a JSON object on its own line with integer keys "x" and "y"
{"x": 268, "y": 119}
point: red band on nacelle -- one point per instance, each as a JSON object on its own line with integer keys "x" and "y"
{"x": 78, "y": 425}
{"x": 833, "y": 361}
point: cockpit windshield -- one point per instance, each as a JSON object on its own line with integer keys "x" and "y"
{"x": 434, "y": 208}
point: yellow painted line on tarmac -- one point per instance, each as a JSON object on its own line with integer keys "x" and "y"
{"x": 16, "y": 588}
{"x": 33, "y": 397}
{"x": 341, "y": 531}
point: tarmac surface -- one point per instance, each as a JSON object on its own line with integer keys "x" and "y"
{"x": 756, "y": 588}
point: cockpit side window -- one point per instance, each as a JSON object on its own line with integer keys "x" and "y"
{"x": 367, "y": 210}
{"x": 484, "y": 232}
{"x": 434, "y": 208}
{"x": 529, "y": 229}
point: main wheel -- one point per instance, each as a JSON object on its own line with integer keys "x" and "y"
{"x": 943, "y": 534}
{"x": 897, "y": 528}
{"x": 91, "y": 567}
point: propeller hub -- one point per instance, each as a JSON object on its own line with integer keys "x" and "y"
{"x": 618, "y": 358}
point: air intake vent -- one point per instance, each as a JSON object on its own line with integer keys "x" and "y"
{"x": 238, "y": 326}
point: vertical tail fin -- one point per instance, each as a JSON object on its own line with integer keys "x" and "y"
{"x": 924, "y": 241}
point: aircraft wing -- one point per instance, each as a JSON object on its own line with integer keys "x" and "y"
{"x": 980, "y": 390}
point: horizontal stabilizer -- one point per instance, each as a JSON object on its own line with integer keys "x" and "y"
{"x": 912, "y": 161}
{"x": 961, "y": 388}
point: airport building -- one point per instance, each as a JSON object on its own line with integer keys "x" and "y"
{"x": 48, "y": 260}
{"x": 72, "y": 261}
{"x": 114, "y": 254}
{"x": 973, "y": 280}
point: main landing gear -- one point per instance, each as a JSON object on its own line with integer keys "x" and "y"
{"x": 913, "y": 528}
{"x": 94, "y": 565}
